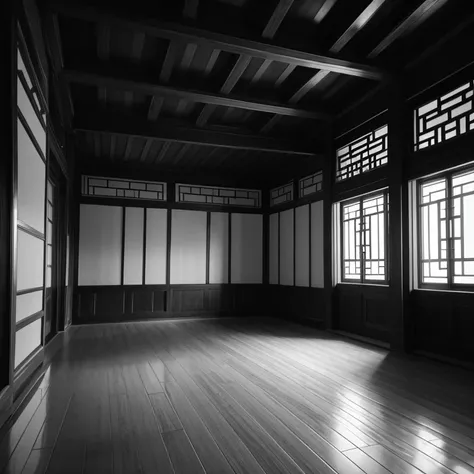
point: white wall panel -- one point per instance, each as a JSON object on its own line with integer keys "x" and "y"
{"x": 302, "y": 246}
{"x": 156, "y": 232}
{"x": 31, "y": 117}
{"x": 30, "y": 261}
{"x": 287, "y": 257}
{"x": 317, "y": 247}
{"x": 28, "y": 304}
{"x": 27, "y": 340}
{"x": 100, "y": 245}
{"x": 188, "y": 247}
{"x": 31, "y": 182}
{"x": 133, "y": 246}
{"x": 246, "y": 248}
{"x": 219, "y": 248}
{"x": 273, "y": 249}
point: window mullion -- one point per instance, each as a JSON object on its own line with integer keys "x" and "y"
{"x": 450, "y": 230}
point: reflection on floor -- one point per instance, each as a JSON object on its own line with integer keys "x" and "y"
{"x": 240, "y": 396}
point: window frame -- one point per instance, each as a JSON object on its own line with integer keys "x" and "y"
{"x": 363, "y": 280}
{"x": 450, "y": 285}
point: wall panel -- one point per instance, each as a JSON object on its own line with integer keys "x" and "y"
{"x": 302, "y": 246}
{"x": 31, "y": 179}
{"x": 100, "y": 245}
{"x": 156, "y": 236}
{"x": 317, "y": 248}
{"x": 287, "y": 276}
{"x": 219, "y": 248}
{"x": 28, "y": 304}
{"x": 133, "y": 246}
{"x": 188, "y": 247}
{"x": 246, "y": 248}
{"x": 27, "y": 340}
{"x": 273, "y": 248}
{"x": 30, "y": 261}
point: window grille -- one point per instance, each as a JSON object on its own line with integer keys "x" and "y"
{"x": 217, "y": 195}
{"x": 281, "y": 194}
{"x": 362, "y": 155}
{"x": 446, "y": 117}
{"x": 364, "y": 229}
{"x": 311, "y": 184}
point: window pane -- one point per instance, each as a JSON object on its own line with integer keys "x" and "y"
{"x": 463, "y": 227}
{"x": 351, "y": 241}
{"x": 434, "y": 245}
{"x": 374, "y": 233}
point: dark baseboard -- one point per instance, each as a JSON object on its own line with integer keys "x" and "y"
{"x": 366, "y": 340}
{"x": 301, "y": 320}
{"x": 446, "y": 360}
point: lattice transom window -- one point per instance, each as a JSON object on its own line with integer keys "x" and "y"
{"x": 311, "y": 184}
{"x": 281, "y": 194}
{"x": 447, "y": 117}
{"x": 123, "y": 188}
{"x": 446, "y": 230}
{"x": 364, "y": 224}
{"x": 217, "y": 195}
{"x": 362, "y": 155}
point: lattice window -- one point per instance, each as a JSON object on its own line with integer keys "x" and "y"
{"x": 281, "y": 194}
{"x": 218, "y": 195}
{"x": 362, "y": 155}
{"x": 446, "y": 230}
{"x": 311, "y": 184}
{"x": 123, "y": 188}
{"x": 447, "y": 117}
{"x": 364, "y": 224}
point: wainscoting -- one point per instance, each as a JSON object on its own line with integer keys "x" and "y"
{"x": 296, "y": 303}
{"x": 362, "y": 310}
{"x": 442, "y": 323}
{"x": 94, "y": 304}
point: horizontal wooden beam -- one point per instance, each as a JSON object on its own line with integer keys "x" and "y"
{"x": 264, "y": 50}
{"x": 115, "y": 124}
{"x": 99, "y": 80}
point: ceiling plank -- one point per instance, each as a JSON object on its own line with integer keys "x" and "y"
{"x": 146, "y": 149}
{"x": 419, "y": 16}
{"x": 232, "y": 79}
{"x": 128, "y": 149}
{"x": 231, "y": 44}
{"x": 115, "y": 124}
{"x": 190, "y": 9}
{"x": 165, "y": 74}
{"x": 261, "y": 71}
{"x": 99, "y": 80}
{"x": 357, "y": 25}
{"x": 277, "y": 17}
{"x": 324, "y": 10}
{"x": 162, "y": 153}
{"x": 212, "y": 61}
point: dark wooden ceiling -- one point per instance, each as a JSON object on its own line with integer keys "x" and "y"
{"x": 229, "y": 86}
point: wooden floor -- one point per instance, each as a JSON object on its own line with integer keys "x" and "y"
{"x": 251, "y": 396}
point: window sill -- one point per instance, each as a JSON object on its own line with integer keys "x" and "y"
{"x": 445, "y": 290}
{"x": 379, "y": 285}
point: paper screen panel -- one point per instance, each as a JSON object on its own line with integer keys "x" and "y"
{"x": 219, "y": 248}
{"x": 287, "y": 247}
{"x": 246, "y": 248}
{"x": 188, "y": 247}
{"x": 273, "y": 249}
{"x": 156, "y": 237}
{"x": 27, "y": 340}
{"x": 100, "y": 245}
{"x": 30, "y": 261}
{"x": 28, "y": 304}
{"x": 302, "y": 246}
{"x": 317, "y": 247}
{"x": 133, "y": 246}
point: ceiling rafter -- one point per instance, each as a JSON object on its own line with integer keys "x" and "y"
{"x": 99, "y": 80}
{"x": 111, "y": 123}
{"x": 173, "y": 31}
{"x": 277, "y": 18}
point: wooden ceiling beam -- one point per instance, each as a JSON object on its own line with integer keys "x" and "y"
{"x": 194, "y": 96}
{"x": 277, "y": 17}
{"x": 427, "y": 9}
{"x": 231, "y": 44}
{"x": 112, "y": 123}
{"x": 232, "y": 79}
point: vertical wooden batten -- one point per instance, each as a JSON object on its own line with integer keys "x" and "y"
{"x": 329, "y": 165}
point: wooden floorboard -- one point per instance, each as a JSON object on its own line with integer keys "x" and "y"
{"x": 250, "y": 396}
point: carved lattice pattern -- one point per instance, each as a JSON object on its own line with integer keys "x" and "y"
{"x": 281, "y": 194}
{"x": 218, "y": 195}
{"x": 311, "y": 184}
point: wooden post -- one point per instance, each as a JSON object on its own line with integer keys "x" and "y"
{"x": 329, "y": 163}
{"x": 398, "y": 145}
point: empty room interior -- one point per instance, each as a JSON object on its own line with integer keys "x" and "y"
{"x": 237, "y": 237}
